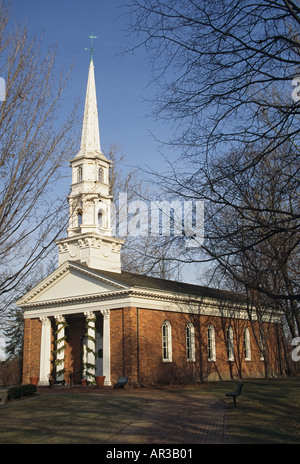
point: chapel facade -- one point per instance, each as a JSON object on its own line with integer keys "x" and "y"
{"x": 90, "y": 319}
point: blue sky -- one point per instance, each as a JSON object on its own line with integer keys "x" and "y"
{"x": 121, "y": 81}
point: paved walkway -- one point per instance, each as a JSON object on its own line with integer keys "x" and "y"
{"x": 170, "y": 417}
{"x": 176, "y": 418}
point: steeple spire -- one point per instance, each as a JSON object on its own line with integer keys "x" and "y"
{"x": 89, "y": 239}
{"x": 90, "y": 137}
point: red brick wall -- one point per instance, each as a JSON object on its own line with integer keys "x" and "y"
{"x": 31, "y": 349}
{"x": 123, "y": 344}
{"x": 136, "y": 347}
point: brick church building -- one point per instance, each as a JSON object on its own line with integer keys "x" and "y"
{"x": 91, "y": 319}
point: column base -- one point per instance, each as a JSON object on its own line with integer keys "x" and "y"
{"x": 43, "y": 383}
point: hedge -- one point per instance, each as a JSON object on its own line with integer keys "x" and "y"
{"x": 21, "y": 390}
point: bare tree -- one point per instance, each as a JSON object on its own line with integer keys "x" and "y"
{"x": 224, "y": 72}
{"x": 142, "y": 253}
{"x": 219, "y": 65}
{"x": 33, "y": 149}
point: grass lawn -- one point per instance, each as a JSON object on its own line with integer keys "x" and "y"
{"x": 268, "y": 411}
{"x": 66, "y": 418}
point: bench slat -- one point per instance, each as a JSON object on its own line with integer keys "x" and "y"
{"x": 236, "y": 393}
{"x": 122, "y": 381}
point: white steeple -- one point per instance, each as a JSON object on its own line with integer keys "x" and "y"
{"x": 90, "y": 238}
{"x": 90, "y": 138}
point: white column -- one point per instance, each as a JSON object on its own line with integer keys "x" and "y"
{"x": 106, "y": 345}
{"x": 45, "y": 353}
{"x": 90, "y": 345}
{"x": 60, "y": 347}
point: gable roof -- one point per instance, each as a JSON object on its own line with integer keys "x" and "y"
{"x": 70, "y": 280}
{"x": 153, "y": 283}
{"x": 73, "y": 280}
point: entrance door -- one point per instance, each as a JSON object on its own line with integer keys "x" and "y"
{"x": 99, "y": 354}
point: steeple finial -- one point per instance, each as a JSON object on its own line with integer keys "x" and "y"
{"x": 92, "y": 37}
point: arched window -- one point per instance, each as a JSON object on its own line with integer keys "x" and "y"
{"x": 167, "y": 341}
{"x": 230, "y": 346}
{"x": 261, "y": 346}
{"x": 211, "y": 343}
{"x": 247, "y": 347}
{"x": 100, "y": 174}
{"x": 100, "y": 217}
{"x": 79, "y": 217}
{"x": 190, "y": 342}
{"x": 79, "y": 174}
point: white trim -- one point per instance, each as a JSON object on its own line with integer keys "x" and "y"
{"x": 90, "y": 345}
{"x": 58, "y": 275}
{"x": 106, "y": 346}
{"x": 230, "y": 343}
{"x": 247, "y": 344}
{"x": 191, "y": 328}
{"x": 132, "y": 298}
{"x": 124, "y": 295}
{"x": 45, "y": 351}
{"x": 212, "y": 340}
{"x": 166, "y": 342}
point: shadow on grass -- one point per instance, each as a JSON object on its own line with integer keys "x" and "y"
{"x": 62, "y": 418}
{"x": 267, "y": 411}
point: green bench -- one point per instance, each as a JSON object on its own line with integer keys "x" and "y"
{"x": 122, "y": 381}
{"x": 236, "y": 393}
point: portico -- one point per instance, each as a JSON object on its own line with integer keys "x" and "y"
{"x": 74, "y": 345}
{"x": 75, "y": 331}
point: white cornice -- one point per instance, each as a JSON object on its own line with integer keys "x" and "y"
{"x": 148, "y": 300}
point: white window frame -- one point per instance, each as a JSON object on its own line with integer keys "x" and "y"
{"x": 79, "y": 218}
{"x": 166, "y": 332}
{"x": 261, "y": 344}
{"x": 230, "y": 344}
{"x": 247, "y": 344}
{"x": 100, "y": 174}
{"x": 211, "y": 343}
{"x": 190, "y": 342}
{"x": 79, "y": 173}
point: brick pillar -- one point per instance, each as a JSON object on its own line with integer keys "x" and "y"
{"x": 31, "y": 349}
{"x": 130, "y": 334}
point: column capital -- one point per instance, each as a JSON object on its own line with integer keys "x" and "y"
{"x": 60, "y": 318}
{"x": 105, "y": 313}
{"x": 89, "y": 314}
{"x": 45, "y": 320}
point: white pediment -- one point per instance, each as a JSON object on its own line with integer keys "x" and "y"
{"x": 70, "y": 280}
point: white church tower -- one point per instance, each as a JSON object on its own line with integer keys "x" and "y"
{"x": 90, "y": 240}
